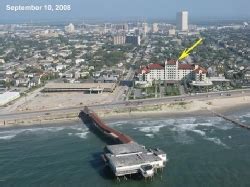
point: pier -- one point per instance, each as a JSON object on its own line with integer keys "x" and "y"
{"x": 97, "y": 123}
{"x": 235, "y": 122}
{"x": 127, "y": 157}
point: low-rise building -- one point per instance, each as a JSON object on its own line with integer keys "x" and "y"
{"x": 7, "y": 97}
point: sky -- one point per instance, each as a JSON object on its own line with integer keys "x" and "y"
{"x": 130, "y": 9}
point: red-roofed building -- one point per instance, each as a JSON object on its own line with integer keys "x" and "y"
{"x": 200, "y": 73}
{"x": 173, "y": 71}
{"x": 176, "y": 71}
{"x": 152, "y": 72}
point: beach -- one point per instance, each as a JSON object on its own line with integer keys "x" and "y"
{"x": 181, "y": 108}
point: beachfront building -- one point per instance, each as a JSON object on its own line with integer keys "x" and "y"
{"x": 172, "y": 71}
{"x": 152, "y": 72}
{"x": 200, "y": 77}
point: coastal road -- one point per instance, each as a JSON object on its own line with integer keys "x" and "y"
{"x": 128, "y": 104}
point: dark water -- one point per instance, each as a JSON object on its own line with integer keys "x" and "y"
{"x": 202, "y": 151}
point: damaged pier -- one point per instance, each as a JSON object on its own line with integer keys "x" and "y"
{"x": 126, "y": 157}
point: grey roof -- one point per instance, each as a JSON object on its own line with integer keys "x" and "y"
{"x": 133, "y": 159}
{"x": 125, "y": 148}
{"x": 79, "y": 85}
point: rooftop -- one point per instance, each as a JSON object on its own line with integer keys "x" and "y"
{"x": 125, "y": 148}
{"x": 110, "y": 86}
{"x": 133, "y": 159}
{"x": 171, "y": 62}
{"x": 155, "y": 66}
{"x": 186, "y": 67}
{"x": 200, "y": 70}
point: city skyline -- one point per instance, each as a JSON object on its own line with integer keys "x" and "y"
{"x": 130, "y": 10}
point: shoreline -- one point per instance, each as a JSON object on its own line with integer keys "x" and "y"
{"x": 160, "y": 114}
{"x": 187, "y": 108}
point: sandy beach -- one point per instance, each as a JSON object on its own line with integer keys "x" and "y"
{"x": 223, "y": 105}
{"x": 183, "y": 108}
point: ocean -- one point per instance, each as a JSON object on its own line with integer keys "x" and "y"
{"x": 201, "y": 151}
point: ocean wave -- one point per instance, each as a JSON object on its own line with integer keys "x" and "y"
{"x": 118, "y": 123}
{"x": 182, "y": 129}
{"x": 155, "y": 122}
{"x": 10, "y": 134}
{"x": 82, "y": 135}
{"x": 153, "y": 129}
{"x": 247, "y": 115}
{"x": 200, "y": 132}
{"x": 186, "y": 120}
{"x": 7, "y": 137}
{"x": 183, "y": 137}
{"x": 79, "y": 131}
{"x": 191, "y": 127}
{"x": 150, "y": 135}
{"x": 216, "y": 141}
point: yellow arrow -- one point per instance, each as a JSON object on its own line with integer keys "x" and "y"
{"x": 186, "y": 52}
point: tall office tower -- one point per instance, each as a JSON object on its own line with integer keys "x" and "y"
{"x": 155, "y": 28}
{"x": 145, "y": 28}
{"x": 182, "y": 21}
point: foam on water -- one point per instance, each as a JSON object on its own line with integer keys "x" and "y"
{"x": 183, "y": 138}
{"x": 80, "y": 132}
{"x": 82, "y": 135}
{"x": 9, "y": 134}
{"x": 7, "y": 137}
{"x": 153, "y": 129}
{"x": 118, "y": 123}
{"x": 247, "y": 115}
{"x": 150, "y": 135}
{"x": 216, "y": 141}
{"x": 186, "y": 120}
{"x": 151, "y": 122}
{"x": 202, "y": 133}
{"x": 183, "y": 126}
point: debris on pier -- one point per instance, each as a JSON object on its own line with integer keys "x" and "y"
{"x": 127, "y": 157}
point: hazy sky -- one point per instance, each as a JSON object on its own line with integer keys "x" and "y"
{"x": 126, "y": 9}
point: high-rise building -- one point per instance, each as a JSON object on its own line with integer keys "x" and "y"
{"x": 145, "y": 28}
{"x": 119, "y": 39}
{"x": 70, "y": 28}
{"x": 182, "y": 21}
{"x": 133, "y": 39}
{"x": 155, "y": 28}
